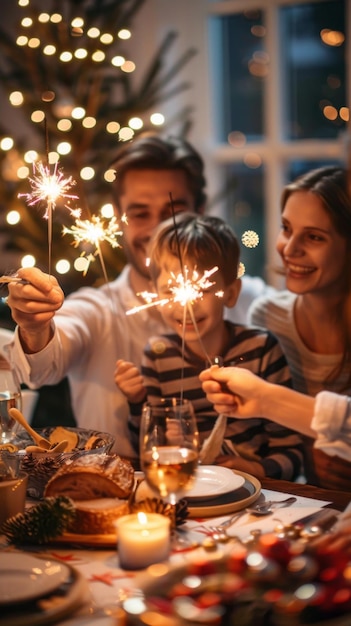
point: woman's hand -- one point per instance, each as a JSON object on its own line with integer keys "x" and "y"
{"x": 234, "y": 391}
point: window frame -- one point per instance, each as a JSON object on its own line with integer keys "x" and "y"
{"x": 275, "y": 151}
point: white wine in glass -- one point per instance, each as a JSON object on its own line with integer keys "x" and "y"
{"x": 169, "y": 447}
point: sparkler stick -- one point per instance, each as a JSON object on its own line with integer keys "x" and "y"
{"x": 49, "y": 187}
{"x": 188, "y": 301}
{"x": 5, "y": 280}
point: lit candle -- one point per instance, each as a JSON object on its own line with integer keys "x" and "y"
{"x": 143, "y": 539}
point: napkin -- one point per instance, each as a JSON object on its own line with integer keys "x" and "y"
{"x": 213, "y": 444}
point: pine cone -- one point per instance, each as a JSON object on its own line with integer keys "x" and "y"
{"x": 156, "y": 505}
{"x": 39, "y": 470}
{"x": 40, "y": 523}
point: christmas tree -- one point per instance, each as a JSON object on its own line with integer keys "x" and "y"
{"x": 68, "y": 72}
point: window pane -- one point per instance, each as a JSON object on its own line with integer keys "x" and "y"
{"x": 300, "y": 166}
{"x": 245, "y": 212}
{"x": 239, "y": 66}
{"x": 313, "y": 72}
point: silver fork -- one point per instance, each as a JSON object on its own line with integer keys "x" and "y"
{"x": 266, "y": 508}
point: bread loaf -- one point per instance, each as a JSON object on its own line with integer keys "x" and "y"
{"x": 98, "y": 516}
{"x": 93, "y": 476}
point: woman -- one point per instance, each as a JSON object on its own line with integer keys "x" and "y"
{"x": 236, "y": 392}
{"x": 310, "y": 317}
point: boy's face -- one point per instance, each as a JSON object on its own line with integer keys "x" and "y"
{"x": 204, "y": 316}
{"x": 146, "y": 203}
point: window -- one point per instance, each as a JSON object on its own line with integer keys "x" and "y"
{"x": 281, "y": 105}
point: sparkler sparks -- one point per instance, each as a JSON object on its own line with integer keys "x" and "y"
{"x": 95, "y": 231}
{"x": 184, "y": 290}
{"x": 49, "y": 187}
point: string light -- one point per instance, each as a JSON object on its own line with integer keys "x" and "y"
{"x": 250, "y": 239}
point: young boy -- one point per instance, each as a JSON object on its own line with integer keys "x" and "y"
{"x": 203, "y": 253}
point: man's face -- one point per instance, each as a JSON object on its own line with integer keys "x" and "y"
{"x": 146, "y": 201}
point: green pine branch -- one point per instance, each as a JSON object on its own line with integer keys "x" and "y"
{"x": 104, "y": 91}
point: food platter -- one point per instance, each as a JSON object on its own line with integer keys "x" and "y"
{"x": 41, "y": 466}
{"x": 89, "y": 541}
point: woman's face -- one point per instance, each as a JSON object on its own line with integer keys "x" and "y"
{"x": 312, "y": 251}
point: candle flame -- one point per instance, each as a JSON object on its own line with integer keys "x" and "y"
{"x": 142, "y": 517}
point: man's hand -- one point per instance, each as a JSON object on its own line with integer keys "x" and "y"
{"x": 33, "y": 305}
{"x": 130, "y": 381}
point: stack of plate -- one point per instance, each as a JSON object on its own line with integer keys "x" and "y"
{"x": 216, "y": 491}
{"x": 36, "y": 590}
{"x": 219, "y": 490}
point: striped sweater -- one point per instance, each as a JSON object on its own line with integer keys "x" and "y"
{"x": 167, "y": 371}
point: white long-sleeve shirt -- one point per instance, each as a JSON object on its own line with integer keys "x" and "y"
{"x": 92, "y": 331}
{"x": 332, "y": 423}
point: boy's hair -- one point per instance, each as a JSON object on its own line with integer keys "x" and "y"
{"x": 156, "y": 153}
{"x": 202, "y": 241}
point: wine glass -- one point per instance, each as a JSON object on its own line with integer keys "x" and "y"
{"x": 169, "y": 448}
{"x": 10, "y": 397}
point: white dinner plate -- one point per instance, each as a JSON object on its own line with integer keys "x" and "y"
{"x": 214, "y": 480}
{"x": 25, "y": 577}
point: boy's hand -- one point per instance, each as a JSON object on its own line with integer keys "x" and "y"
{"x": 130, "y": 381}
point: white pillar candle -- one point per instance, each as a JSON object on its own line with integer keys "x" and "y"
{"x": 143, "y": 539}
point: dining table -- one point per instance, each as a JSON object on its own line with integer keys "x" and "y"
{"x": 102, "y": 589}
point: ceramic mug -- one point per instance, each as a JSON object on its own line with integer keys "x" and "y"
{"x": 12, "y": 496}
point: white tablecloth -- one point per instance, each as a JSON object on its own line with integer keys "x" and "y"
{"x": 108, "y": 584}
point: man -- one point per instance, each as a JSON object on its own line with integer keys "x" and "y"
{"x": 83, "y": 336}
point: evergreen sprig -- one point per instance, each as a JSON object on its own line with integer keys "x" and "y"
{"x": 41, "y": 523}
{"x": 103, "y": 90}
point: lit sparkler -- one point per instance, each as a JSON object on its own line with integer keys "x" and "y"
{"x": 95, "y": 231}
{"x": 49, "y": 187}
{"x": 185, "y": 290}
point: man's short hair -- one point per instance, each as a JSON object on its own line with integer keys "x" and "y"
{"x": 157, "y": 153}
